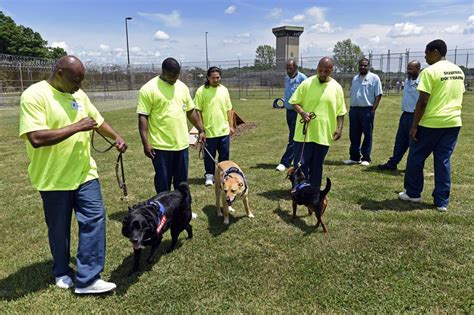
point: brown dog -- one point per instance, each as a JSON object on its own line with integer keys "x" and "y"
{"x": 302, "y": 193}
{"x": 230, "y": 184}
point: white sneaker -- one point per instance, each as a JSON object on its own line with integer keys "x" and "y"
{"x": 194, "y": 215}
{"x": 403, "y": 196}
{"x": 209, "y": 180}
{"x": 442, "y": 209}
{"x": 281, "y": 168}
{"x": 64, "y": 282}
{"x": 365, "y": 163}
{"x": 350, "y": 162}
{"x": 98, "y": 286}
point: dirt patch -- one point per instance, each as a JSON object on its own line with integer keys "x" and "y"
{"x": 243, "y": 128}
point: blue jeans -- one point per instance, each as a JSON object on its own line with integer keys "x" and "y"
{"x": 219, "y": 144}
{"x": 170, "y": 166}
{"x": 90, "y": 215}
{"x": 289, "y": 154}
{"x": 312, "y": 161}
{"x": 402, "y": 140}
{"x": 361, "y": 121}
{"x": 440, "y": 142}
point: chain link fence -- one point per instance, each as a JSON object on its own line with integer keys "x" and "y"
{"x": 109, "y": 82}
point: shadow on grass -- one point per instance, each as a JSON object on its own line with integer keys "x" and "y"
{"x": 118, "y": 216}
{"x": 334, "y": 162}
{"x": 123, "y": 277}
{"x": 392, "y": 205}
{"x": 196, "y": 181}
{"x": 374, "y": 169}
{"x": 276, "y": 194}
{"x": 27, "y": 280}
{"x": 216, "y": 224}
{"x": 265, "y": 166}
{"x": 297, "y": 222}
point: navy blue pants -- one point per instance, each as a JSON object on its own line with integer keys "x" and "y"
{"x": 361, "y": 121}
{"x": 170, "y": 166}
{"x": 289, "y": 154}
{"x": 219, "y": 144}
{"x": 90, "y": 215}
{"x": 312, "y": 161}
{"x": 402, "y": 139}
{"x": 440, "y": 142}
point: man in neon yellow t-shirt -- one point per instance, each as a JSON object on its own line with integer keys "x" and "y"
{"x": 56, "y": 118}
{"x": 164, "y": 103}
{"x": 436, "y": 125}
{"x": 323, "y": 96}
{"x": 213, "y": 103}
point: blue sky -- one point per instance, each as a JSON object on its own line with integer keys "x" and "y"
{"x": 95, "y": 30}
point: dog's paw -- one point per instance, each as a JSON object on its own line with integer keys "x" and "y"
{"x": 150, "y": 260}
{"x": 231, "y": 209}
{"x": 220, "y": 212}
{"x": 251, "y": 215}
{"x": 226, "y": 221}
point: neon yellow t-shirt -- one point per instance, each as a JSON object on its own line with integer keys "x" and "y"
{"x": 326, "y": 100}
{"x": 214, "y": 103}
{"x": 444, "y": 81}
{"x": 166, "y": 106}
{"x": 68, "y": 164}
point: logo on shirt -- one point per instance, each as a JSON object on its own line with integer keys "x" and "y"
{"x": 183, "y": 106}
{"x": 76, "y": 106}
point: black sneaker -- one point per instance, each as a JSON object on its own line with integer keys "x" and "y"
{"x": 387, "y": 167}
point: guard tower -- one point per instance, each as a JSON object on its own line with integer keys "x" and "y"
{"x": 287, "y": 44}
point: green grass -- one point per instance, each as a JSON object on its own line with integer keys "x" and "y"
{"x": 380, "y": 255}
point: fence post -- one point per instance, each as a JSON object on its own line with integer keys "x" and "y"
{"x": 21, "y": 76}
{"x": 239, "y": 78}
{"x": 455, "y": 54}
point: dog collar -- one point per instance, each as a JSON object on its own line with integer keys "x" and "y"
{"x": 299, "y": 186}
{"x": 236, "y": 170}
{"x": 161, "y": 217}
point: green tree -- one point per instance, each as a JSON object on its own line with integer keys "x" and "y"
{"x": 346, "y": 56}
{"x": 265, "y": 57}
{"x": 20, "y": 40}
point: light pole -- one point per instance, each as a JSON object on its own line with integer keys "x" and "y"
{"x": 128, "y": 54}
{"x": 207, "y": 59}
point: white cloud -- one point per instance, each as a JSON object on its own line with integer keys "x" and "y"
{"x": 157, "y": 54}
{"x": 62, "y": 45}
{"x": 104, "y": 47}
{"x": 275, "y": 13}
{"x": 298, "y": 18}
{"x": 405, "y": 29}
{"x": 470, "y": 25}
{"x": 246, "y": 35}
{"x": 231, "y": 41}
{"x": 454, "y": 29}
{"x": 160, "y": 35}
{"x": 231, "y": 9}
{"x": 324, "y": 27}
{"x": 316, "y": 14}
{"x": 375, "y": 39}
{"x": 172, "y": 20}
{"x": 119, "y": 50}
{"x": 136, "y": 49}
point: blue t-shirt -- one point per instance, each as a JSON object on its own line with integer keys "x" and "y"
{"x": 364, "y": 90}
{"x": 410, "y": 95}
{"x": 290, "y": 87}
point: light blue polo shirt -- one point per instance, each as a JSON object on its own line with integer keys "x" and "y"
{"x": 291, "y": 84}
{"x": 410, "y": 95}
{"x": 365, "y": 90}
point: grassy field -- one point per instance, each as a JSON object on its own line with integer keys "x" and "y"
{"x": 380, "y": 255}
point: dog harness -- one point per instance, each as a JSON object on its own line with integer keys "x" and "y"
{"x": 161, "y": 217}
{"x": 236, "y": 170}
{"x": 299, "y": 186}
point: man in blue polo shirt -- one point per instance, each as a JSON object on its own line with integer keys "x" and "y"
{"x": 366, "y": 93}
{"x": 292, "y": 80}
{"x": 410, "y": 96}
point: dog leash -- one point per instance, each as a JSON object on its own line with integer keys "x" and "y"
{"x": 201, "y": 155}
{"x": 118, "y": 164}
{"x": 312, "y": 116}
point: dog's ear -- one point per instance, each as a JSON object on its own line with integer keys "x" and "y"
{"x": 130, "y": 209}
{"x": 125, "y": 227}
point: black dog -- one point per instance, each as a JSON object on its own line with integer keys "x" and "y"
{"x": 302, "y": 193}
{"x": 146, "y": 222}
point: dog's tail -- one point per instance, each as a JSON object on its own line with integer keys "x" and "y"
{"x": 184, "y": 189}
{"x": 326, "y": 190}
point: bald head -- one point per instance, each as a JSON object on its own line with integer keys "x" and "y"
{"x": 325, "y": 67}
{"x": 67, "y": 75}
{"x": 413, "y": 69}
{"x": 291, "y": 68}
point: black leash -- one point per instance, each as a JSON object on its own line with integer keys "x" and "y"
{"x": 202, "y": 149}
{"x": 118, "y": 164}
{"x": 312, "y": 116}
